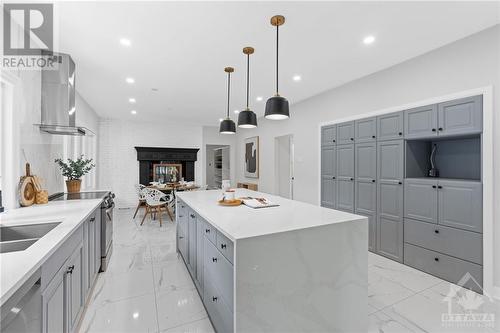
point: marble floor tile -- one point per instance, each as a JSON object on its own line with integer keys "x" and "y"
{"x": 381, "y": 323}
{"x": 172, "y": 276}
{"x": 137, "y": 314}
{"x": 383, "y": 292}
{"x": 179, "y": 307}
{"x": 198, "y": 326}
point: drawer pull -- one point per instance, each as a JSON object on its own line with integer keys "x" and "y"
{"x": 207, "y": 231}
{"x": 436, "y": 259}
{"x": 434, "y": 186}
{"x": 439, "y": 186}
{"x": 373, "y": 180}
{"x": 440, "y": 128}
{"x": 214, "y": 259}
{"x": 181, "y": 237}
{"x": 333, "y": 140}
{"x": 192, "y": 216}
{"x": 223, "y": 246}
{"x": 434, "y": 130}
{"x": 400, "y": 183}
{"x": 373, "y": 136}
{"x": 400, "y": 133}
{"x": 70, "y": 269}
{"x": 436, "y": 231}
{"x": 92, "y": 219}
{"x": 351, "y": 179}
{"x": 181, "y": 215}
{"x": 352, "y": 139}
{"x": 333, "y": 177}
{"x": 214, "y": 299}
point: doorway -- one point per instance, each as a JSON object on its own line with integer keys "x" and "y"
{"x": 217, "y": 165}
{"x": 283, "y": 166}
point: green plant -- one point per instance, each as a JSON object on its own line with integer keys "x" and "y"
{"x": 75, "y": 169}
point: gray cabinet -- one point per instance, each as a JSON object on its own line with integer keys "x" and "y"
{"x": 53, "y": 304}
{"x": 328, "y": 161}
{"x": 390, "y": 126}
{"x": 328, "y": 135}
{"x": 200, "y": 230}
{"x": 191, "y": 262}
{"x": 75, "y": 288}
{"x": 345, "y": 195}
{"x": 461, "y": 116}
{"x": 345, "y": 162}
{"x": 390, "y": 238}
{"x": 328, "y": 191}
{"x": 421, "y": 199}
{"x": 365, "y": 162}
{"x": 365, "y": 130}
{"x": 390, "y": 199}
{"x": 182, "y": 243}
{"x": 328, "y": 175}
{"x": 345, "y": 133}
{"x": 421, "y": 122}
{"x": 460, "y": 204}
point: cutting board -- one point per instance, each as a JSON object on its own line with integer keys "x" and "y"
{"x": 27, "y": 191}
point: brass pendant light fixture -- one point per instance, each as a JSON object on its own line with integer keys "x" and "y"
{"x": 227, "y": 126}
{"x": 247, "y": 118}
{"x": 277, "y": 106}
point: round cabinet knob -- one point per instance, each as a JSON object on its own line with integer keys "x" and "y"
{"x": 436, "y": 231}
{"x": 352, "y": 139}
{"x": 434, "y": 186}
{"x": 333, "y": 177}
{"x": 333, "y": 140}
{"x": 351, "y": 179}
{"x": 214, "y": 299}
{"x": 207, "y": 231}
{"x": 436, "y": 259}
{"x": 400, "y": 183}
{"x": 439, "y": 186}
{"x": 434, "y": 130}
{"x": 373, "y": 180}
{"x": 181, "y": 237}
{"x": 214, "y": 259}
{"x": 440, "y": 128}
{"x": 373, "y": 136}
{"x": 400, "y": 133}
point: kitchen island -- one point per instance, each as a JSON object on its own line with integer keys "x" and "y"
{"x": 292, "y": 268}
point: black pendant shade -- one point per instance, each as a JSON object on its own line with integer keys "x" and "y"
{"x": 277, "y": 106}
{"x": 227, "y": 126}
{"x": 247, "y": 118}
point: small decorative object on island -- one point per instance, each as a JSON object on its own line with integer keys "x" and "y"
{"x": 74, "y": 170}
{"x": 433, "y": 172}
{"x": 27, "y": 190}
{"x": 252, "y": 157}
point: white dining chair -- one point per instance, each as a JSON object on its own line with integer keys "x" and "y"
{"x": 139, "y": 189}
{"x": 156, "y": 203}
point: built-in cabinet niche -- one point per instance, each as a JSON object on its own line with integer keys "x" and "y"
{"x": 455, "y": 158}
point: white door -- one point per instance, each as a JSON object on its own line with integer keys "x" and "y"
{"x": 284, "y": 166}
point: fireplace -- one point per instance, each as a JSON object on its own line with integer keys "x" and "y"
{"x": 149, "y": 157}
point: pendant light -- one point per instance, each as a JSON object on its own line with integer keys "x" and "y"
{"x": 247, "y": 118}
{"x": 227, "y": 126}
{"x": 277, "y": 106}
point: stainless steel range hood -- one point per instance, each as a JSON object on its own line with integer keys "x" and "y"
{"x": 58, "y": 98}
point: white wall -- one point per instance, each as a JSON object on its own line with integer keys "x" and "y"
{"x": 470, "y": 63}
{"x": 118, "y": 168}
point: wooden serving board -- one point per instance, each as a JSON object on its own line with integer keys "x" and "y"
{"x": 27, "y": 190}
{"x": 235, "y": 202}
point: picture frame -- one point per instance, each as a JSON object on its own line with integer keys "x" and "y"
{"x": 252, "y": 157}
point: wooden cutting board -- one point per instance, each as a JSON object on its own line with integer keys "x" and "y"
{"x": 27, "y": 190}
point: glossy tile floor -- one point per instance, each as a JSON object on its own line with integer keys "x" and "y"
{"x": 147, "y": 288}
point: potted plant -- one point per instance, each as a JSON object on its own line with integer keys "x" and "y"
{"x": 74, "y": 170}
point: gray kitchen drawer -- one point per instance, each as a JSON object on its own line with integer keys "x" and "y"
{"x": 219, "y": 271}
{"x": 457, "y": 243}
{"x": 225, "y": 246}
{"x": 210, "y": 232}
{"x": 182, "y": 215}
{"x": 445, "y": 267}
{"x": 220, "y": 313}
{"x": 56, "y": 260}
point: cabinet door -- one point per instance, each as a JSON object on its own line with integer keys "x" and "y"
{"x": 365, "y": 198}
{"x": 328, "y": 135}
{"x": 372, "y": 233}
{"x": 75, "y": 290}
{"x": 328, "y": 191}
{"x": 390, "y": 179}
{"x": 461, "y": 116}
{"x": 345, "y": 133}
{"x": 365, "y": 130}
{"x": 192, "y": 243}
{"x": 53, "y": 304}
{"x": 366, "y": 162}
{"x": 345, "y": 162}
{"x": 200, "y": 230}
{"x": 421, "y": 122}
{"x": 345, "y": 195}
{"x": 390, "y": 238}
{"x": 97, "y": 254}
{"x": 421, "y": 200}
{"x": 390, "y": 126}
{"x": 461, "y": 205}
{"x": 182, "y": 243}
{"x": 90, "y": 264}
{"x": 328, "y": 161}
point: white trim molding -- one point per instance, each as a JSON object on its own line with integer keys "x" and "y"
{"x": 487, "y": 169}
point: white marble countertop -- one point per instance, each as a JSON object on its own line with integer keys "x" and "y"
{"x": 244, "y": 222}
{"x": 17, "y": 267}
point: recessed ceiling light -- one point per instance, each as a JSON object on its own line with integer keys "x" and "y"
{"x": 125, "y": 41}
{"x": 154, "y": 89}
{"x": 130, "y": 80}
{"x": 131, "y": 100}
{"x": 259, "y": 98}
{"x": 236, "y": 111}
{"x": 297, "y": 78}
{"x": 133, "y": 112}
{"x": 368, "y": 40}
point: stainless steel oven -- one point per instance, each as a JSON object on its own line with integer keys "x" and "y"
{"x": 107, "y": 208}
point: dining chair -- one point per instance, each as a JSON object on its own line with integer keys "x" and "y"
{"x": 139, "y": 189}
{"x": 156, "y": 203}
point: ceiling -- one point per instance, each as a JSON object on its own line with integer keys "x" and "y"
{"x": 181, "y": 49}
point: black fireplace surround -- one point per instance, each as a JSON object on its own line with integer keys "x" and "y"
{"x": 147, "y": 156}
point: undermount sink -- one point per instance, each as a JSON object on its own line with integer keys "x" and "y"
{"x": 20, "y": 237}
